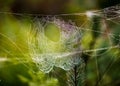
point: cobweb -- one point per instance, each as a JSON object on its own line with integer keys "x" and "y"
{"x": 65, "y": 49}
{"x": 55, "y": 49}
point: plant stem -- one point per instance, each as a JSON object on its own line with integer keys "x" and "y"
{"x": 76, "y": 75}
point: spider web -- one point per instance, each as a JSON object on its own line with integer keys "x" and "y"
{"x": 48, "y": 52}
{"x": 65, "y": 58}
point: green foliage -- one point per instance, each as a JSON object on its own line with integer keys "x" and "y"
{"x": 17, "y": 67}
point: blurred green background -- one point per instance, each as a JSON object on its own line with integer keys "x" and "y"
{"x": 16, "y": 68}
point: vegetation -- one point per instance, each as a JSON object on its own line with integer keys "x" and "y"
{"x": 96, "y": 60}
